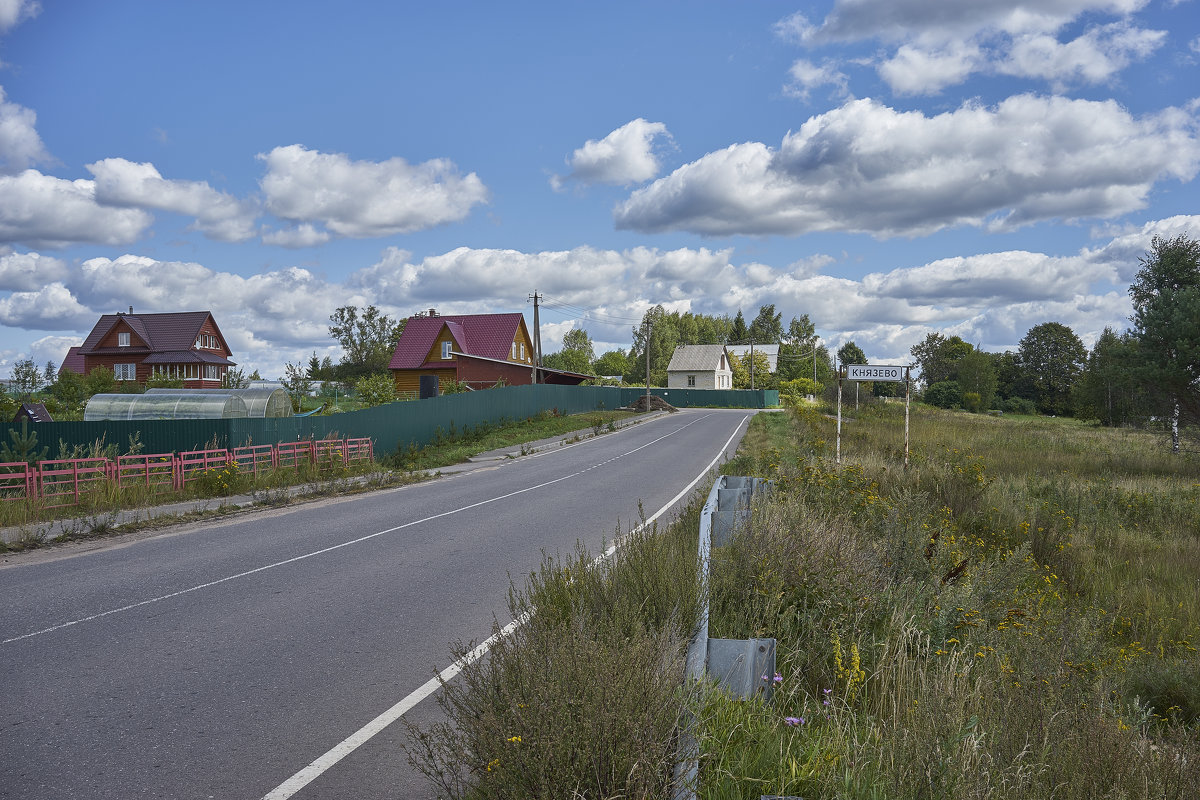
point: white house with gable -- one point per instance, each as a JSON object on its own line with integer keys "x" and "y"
{"x": 700, "y": 366}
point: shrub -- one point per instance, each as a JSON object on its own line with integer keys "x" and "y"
{"x": 943, "y": 394}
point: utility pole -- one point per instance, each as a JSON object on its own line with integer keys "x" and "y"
{"x": 649, "y": 329}
{"x": 537, "y": 337}
{"x": 752, "y": 363}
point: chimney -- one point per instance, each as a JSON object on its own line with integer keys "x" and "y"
{"x": 131, "y": 309}
{"x": 433, "y": 312}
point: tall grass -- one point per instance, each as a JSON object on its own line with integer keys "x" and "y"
{"x": 1015, "y": 616}
{"x": 584, "y": 699}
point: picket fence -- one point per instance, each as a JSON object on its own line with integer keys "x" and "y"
{"x": 64, "y": 482}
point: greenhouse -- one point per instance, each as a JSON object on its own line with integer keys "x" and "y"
{"x": 170, "y": 404}
{"x": 271, "y": 401}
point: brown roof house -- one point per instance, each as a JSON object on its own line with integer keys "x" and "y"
{"x": 186, "y": 345}
{"x": 479, "y": 350}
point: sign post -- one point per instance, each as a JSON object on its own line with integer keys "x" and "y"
{"x": 875, "y": 372}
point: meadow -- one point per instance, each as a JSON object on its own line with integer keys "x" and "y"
{"x": 1013, "y": 616}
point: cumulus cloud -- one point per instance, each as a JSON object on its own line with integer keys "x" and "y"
{"x": 51, "y": 308}
{"x": 920, "y": 70}
{"x": 365, "y": 198}
{"x": 42, "y": 211}
{"x": 942, "y": 44}
{"x": 623, "y": 157}
{"x": 126, "y": 184}
{"x": 28, "y": 272}
{"x": 1096, "y": 56}
{"x": 865, "y": 167}
{"x": 20, "y": 145}
{"x": 13, "y": 12}
{"x": 805, "y": 76}
{"x": 304, "y": 235}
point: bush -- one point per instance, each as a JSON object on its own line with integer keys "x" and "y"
{"x": 944, "y": 394}
{"x": 1020, "y": 405}
{"x": 800, "y": 386}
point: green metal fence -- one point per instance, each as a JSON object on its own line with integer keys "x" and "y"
{"x": 390, "y": 426}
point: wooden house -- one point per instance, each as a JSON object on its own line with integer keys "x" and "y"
{"x": 184, "y": 345}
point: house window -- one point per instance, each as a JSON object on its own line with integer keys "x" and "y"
{"x": 446, "y": 349}
{"x": 125, "y": 372}
{"x": 206, "y": 342}
{"x": 514, "y": 355}
{"x": 522, "y": 351}
{"x": 123, "y": 339}
{"x": 691, "y": 380}
{"x": 210, "y": 372}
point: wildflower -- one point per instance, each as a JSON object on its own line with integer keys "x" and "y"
{"x": 514, "y": 739}
{"x": 794, "y": 721}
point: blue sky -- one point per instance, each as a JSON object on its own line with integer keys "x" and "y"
{"x": 888, "y": 167}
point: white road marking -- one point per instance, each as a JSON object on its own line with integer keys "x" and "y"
{"x": 360, "y": 737}
{"x": 359, "y": 540}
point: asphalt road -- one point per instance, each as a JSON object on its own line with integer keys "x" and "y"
{"x": 218, "y": 660}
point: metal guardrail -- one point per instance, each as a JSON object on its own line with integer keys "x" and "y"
{"x": 736, "y": 665}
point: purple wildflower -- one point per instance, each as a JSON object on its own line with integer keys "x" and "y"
{"x": 794, "y": 721}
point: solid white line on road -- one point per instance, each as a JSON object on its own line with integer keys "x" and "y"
{"x": 256, "y": 570}
{"x": 360, "y": 737}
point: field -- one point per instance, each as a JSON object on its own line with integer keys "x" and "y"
{"x": 1014, "y": 616}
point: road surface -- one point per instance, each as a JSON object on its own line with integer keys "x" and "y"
{"x": 220, "y": 659}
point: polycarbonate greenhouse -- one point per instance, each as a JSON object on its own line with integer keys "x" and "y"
{"x": 270, "y": 401}
{"x": 172, "y": 404}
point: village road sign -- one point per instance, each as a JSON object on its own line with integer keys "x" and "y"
{"x": 874, "y": 372}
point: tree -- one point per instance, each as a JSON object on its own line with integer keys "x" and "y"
{"x": 738, "y": 332}
{"x": 49, "y": 374}
{"x": 1166, "y": 325}
{"x": 26, "y": 379}
{"x": 23, "y": 447}
{"x": 938, "y": 357}
{"x": 763, "y": 379}
{"x": 101, "y": 380}
{"x": 234, "y": 378}
{"x": 614, "y": 362}
{"x": 69, "y": 390}
{"x": 377, "y": 389}
{"x": 1108, "y": 390}
{"x": 1053, "y": 357}
{"x": 159, "y": 380}
{"x": 977, "y": 376}
{"x": 576, "y": 355}
{"x": 767, "y": 327}
{"x": 850, "y": 353}
{"x": 368, "y": 340}
{"x": 297, "y": 384}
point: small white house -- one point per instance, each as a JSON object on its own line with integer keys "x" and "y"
{"x": 700, "y": 366}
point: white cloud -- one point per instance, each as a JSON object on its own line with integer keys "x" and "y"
{"x": 300, "y": 236}
{"x": 623, "y": 157}
{"x": 917, "y": 70}
{"x": 865, "y": 167}
{"x": 942, "y": 44}
{"x": 852, "y": 20}
{"x": 13, "y": 12}
{"x": 42, "y": 211}
{"x": 127, "y": 184}
{"x": 363, "y": 198}
{"x": 805, "y": 76}
{"x": 28, "y": 272}
{"x": 20, "y": 145}
{"x": 1096, "y": 56}
{"x": 52, "y": 308}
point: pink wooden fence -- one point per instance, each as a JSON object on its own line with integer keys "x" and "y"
{"x": 63, "y": 482}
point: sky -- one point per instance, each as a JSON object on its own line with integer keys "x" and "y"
{"x": 891, "y": 168}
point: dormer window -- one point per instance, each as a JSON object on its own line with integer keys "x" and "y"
{"x": 446, "y": 350}
{"x": 123, "y": 339}
{"x": 207, "y": 342}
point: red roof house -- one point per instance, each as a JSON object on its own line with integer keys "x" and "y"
{"x": 478, "y": 350}
{"x": 186, "y": 345}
